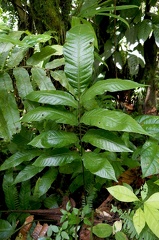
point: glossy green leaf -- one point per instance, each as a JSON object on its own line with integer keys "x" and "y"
{"x": 105, "y": 140}
{"x": 139, "y": 220}
{"x": 122, "y": 193}
{"x": 60, "y": 76}
{"x": 31, "y": 40}
{"x": 27, "y": 173}
{"x": 53, "y": 97}
{"x": 149, "y": 158}
{"x": 98, "y": 165}
{"x": 111, "y": 85}
{"x": 5, "y": 48}
{"x": 6, "y": 229}
{"x": 153, "y": 200}
{"x": 55, "y": 139}
{"x": 150, "y": 124}
{"x": 144, "y": 30}
{"x": 8, "y": 106}
{"x": 152, "y": 218}
{"x": 59, "y": 157}
{"x": 55, "y": 63}
{"x": 37, "y": 57}
{"x": 44, "y": 183}
{"x": 41, "y": 79}
{"x": 23, "y": 82}
{"x": 79, "y": 57}
{"x": 17, "y": 158}
{"x": 16, "y": 56}
{"x": 58, "y": 115}
{"x": 112, "y": 121}
{"x": 102, "y": 230}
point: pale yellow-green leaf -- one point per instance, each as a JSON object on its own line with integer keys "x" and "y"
{"x": 153, "y": 200}
{"x": 152, "y": 218}
{"x": 122, "y": 193}
{"x": 139, "y": 220}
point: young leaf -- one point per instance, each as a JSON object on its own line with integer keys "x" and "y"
{"x": 58, "y": 157}
{"x": 122, "y": 193}
{"x": 111, "y": 85}
{"x": 56, "y": 114}
{"x": 153, "y": 200}
{"x": 44, "y": 183}
{"x": 27, "y": 173}
{"x": 98, "y": 165}
{"x": 105, "y": 140}
{"x": 112, "y": 121}
{"x": 152, "y": 218}
{"x": 53, "y": 97}
{"x": 40, "y": 78}
{"x": 149, "y": 158}
{"x": 6, "y": 230}
{"x": 139, "y": 220}
{"x": 78, "y": 54}
{"x": 55, "y": 139}
{"x": 102, "y": 230}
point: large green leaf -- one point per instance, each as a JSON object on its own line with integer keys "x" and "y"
{"x": 8, "y": 104}
{"x": 4, "y": 131}
{"x": 27, "y": 173}
{"x": 4, "y": 52}
{"x": 105, "y": 140}
{"x": 98, "y": 165}
{"x": 102, "y": 230}
{"x": 55, "y": 158}
{"x": 44, "y": 183}
{"x": 153, "y": 200}
{"x": 79, "y": 57}
{"x": 40, "y": 78}
{"x": 112, "y": 121}
{"x": 53, "y": 97}
{"x": 111, "y": 85}
{"x": 37, "y": 57}
{"x": 55, "y": 139}
{"x": 150, "y": 124}
{"x": 122, "y": 193}
{"x": 152, "y": 218}
{"x": 6, "y": 229}
{"x": 58, "y": 115}
{"x": 149, "y": 158}
{"x": 156, "y": 34}
{"x": 139, "y": 220}
{"x": 23, "y": 82}
{"x": 17, "y": 158}
{"x": 16, "y": 56}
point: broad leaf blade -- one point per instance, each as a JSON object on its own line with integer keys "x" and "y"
{"x": 40, "y": 78}
{"x": 8, "y": 106}
{"x": 53, "y": 97}
{"x": 78, "y": 54}
{"x": 55, "y": 139}
{"x": 6, "y": 230}
{"x": 111, "y": 85}
{"x": 153, "y": 200}
{"x": 149, "y": 158}
{"x": 152, "y": 218}
{"x": 122, "y": 193}
{"x": 139, "y": 220}
{"x": 112, "y": 121}
{"x": 102, "y": 230}
{"x": 44, "y": 183}
{"x": 17, "y": 158}
{"x": 56, "y": 158}
{"x": 105, "y": 140}
{"x": 58, "y": 115}
{"x": 98, "y": 165}
{"x": 27, "y": 173}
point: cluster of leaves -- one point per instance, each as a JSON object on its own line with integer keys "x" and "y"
{"x": 56, "y": 125}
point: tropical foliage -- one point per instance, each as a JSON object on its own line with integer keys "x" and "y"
{"x": 72, "y": 118}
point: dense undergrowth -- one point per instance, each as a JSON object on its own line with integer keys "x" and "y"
{"x": 66, "y": 145}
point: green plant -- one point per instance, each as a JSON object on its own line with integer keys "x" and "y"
{"x": 145, "y": 213}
